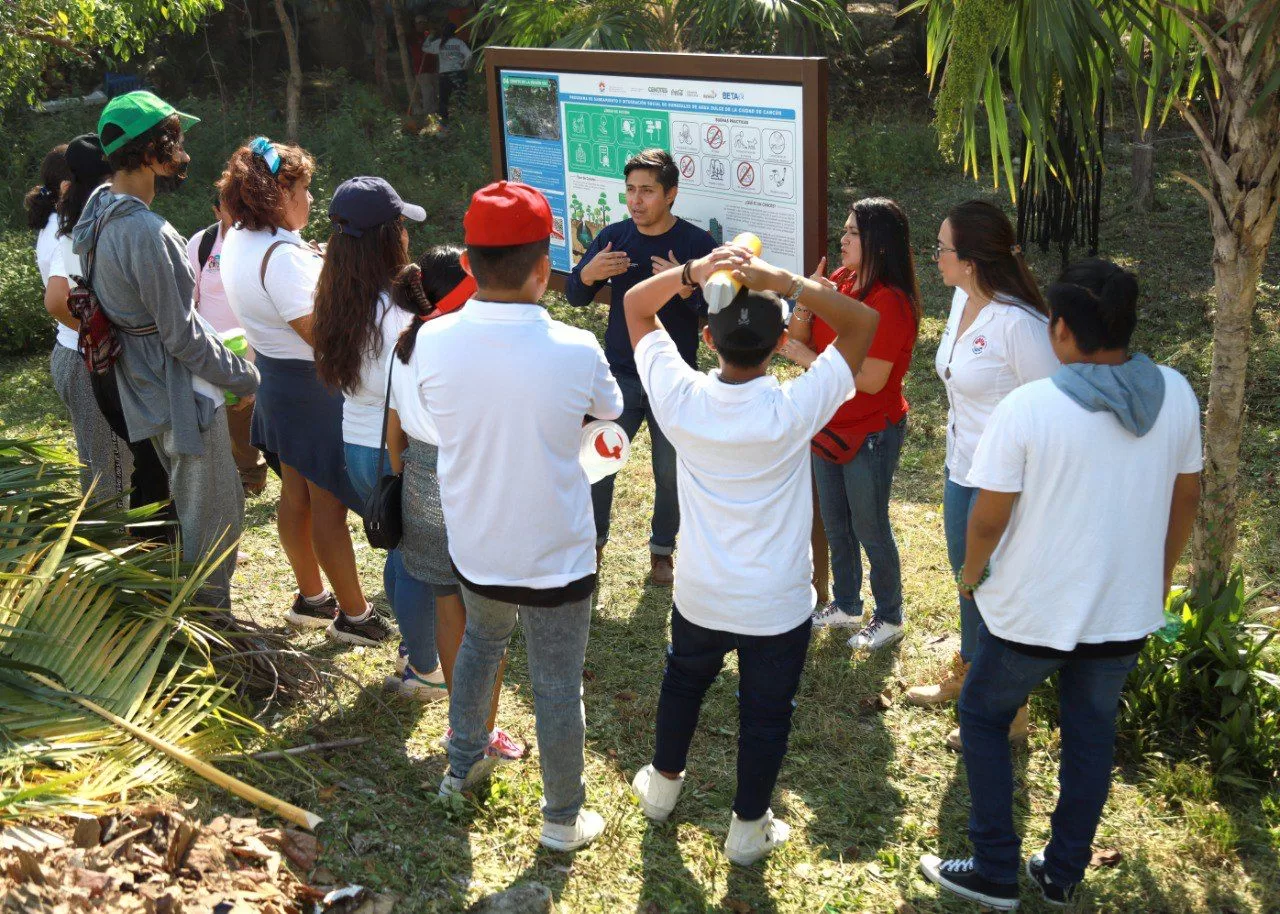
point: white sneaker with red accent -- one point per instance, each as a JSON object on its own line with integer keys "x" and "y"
{"x": 501, "y": 745}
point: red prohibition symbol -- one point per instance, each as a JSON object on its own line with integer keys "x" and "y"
{"x": 715, "y": 137}
{"x": 746, "y": 174}
{"x": 687, "y": 166}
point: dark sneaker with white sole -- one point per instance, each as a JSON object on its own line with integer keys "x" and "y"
{"x": 1056, "y": 895}
{"x": 960, "y": 877}
{"x": 373, "y": 630}
{"x": 312, "y": 615}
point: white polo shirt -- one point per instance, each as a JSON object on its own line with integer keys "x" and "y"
{"x": 265, "y": 308}
{"x": 506, "y": 389}
{"x": 1082, "y": 560}
{"x": 746, "y": 496}
{"x": 1006, "y": 346}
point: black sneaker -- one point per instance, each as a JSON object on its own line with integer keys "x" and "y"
{"x": 1054, "y": 894}
{"x": 960, "y": 877}
{"x": 373, "y": 630}
{"x": 307, "y": 615}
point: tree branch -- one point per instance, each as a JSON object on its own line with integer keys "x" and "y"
{"x": 1216, "y": 212}
{"x": 65, "y": 43}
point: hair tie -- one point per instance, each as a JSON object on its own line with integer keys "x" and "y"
{"x": 261, "y": 147}
{"x": 1015, "y": 250}
{"x": 46, "y": 191}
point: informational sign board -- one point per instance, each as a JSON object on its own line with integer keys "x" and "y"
{"x": 747, "y": 133}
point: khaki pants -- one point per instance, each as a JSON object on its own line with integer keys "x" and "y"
{"x": 249, "y": 460}
{"x": 429, "y": 92}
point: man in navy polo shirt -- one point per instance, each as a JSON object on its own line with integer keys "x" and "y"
{"x": 623, "y": 254}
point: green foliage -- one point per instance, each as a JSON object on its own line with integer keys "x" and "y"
{"x": 24, "y": 324}
{"x": 784, "y": 26}
{"x": 1214, "y": 690}
{"x": 880, "y": 157}
{"x": 35, "y": 33}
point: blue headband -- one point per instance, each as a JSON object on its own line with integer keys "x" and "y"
{"x": 262, "y": 147}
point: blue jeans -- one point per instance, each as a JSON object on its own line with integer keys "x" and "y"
{"x": 555, "y": 639}
{"x": 411, "y": 600}
{"x": 854, "y": 501}
{"x": 998, "y": 684}
{"x": 957, "y": 503}
{"x": 769, "y": 668}
{"x": 666, "y": 503}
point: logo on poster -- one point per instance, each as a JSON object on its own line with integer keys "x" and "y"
{"x": 733, "y": 96}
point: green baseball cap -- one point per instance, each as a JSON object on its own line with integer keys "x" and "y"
{"x": 135, "y": 113}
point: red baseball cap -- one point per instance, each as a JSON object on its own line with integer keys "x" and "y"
{"x": 505, "y": 214}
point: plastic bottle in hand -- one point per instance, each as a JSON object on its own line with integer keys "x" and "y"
{"x": 721, "y": 287}
{"x": 234, "y": 340}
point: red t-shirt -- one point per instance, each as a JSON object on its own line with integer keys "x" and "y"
{"x": 894, "y": 341}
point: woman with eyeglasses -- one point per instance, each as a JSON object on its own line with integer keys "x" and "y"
{"x": 996, "y": 339}
{"x": 855, "y": 456}
{"x": 270, "y": 276}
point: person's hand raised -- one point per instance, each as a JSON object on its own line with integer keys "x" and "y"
{"x": 605, "y": 265}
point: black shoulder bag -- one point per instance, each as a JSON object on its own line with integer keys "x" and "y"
{"x": 383, "y": 520}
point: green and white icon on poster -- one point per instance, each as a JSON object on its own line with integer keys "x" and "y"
{"x": 602, "y": 128}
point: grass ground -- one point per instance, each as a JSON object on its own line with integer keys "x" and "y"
{"x": 866, "y": 789}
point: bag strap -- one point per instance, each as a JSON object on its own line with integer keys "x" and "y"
{"x": 207, "y": 241}
{"x": 386, "y": 414}
{"x": 266, "y": 258}
{"x": 92, "y": 254}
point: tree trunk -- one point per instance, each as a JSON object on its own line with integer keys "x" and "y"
{"x": 293, "y": 89}
{"x": 1143, "y": 164}
{"x": 406, "y": 62}
{"x": 1240, "y": 147}
{"x": 380, "y": 77}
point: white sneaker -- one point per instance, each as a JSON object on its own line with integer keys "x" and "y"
{"x": 877, "y": 635}
{"x": 832, "y": 616}
{"x": 479, "y": 773}
{"x": 424, "y": 687}
{"x": 749, "y": 842}
{"x": 657, "y": 794}
{"x": 571, "y": 837}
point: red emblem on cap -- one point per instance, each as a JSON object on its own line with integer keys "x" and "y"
{"x": 605, "y": 450}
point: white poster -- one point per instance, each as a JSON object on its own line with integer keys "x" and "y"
{"x": 737, "y": 145}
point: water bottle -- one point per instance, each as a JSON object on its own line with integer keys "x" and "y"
{"x": 721, "y": 287}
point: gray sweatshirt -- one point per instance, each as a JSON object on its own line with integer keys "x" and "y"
{"x": 1133, "y": 392}
{"x": 142, "y": 276}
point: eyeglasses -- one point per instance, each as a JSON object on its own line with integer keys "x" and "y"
{"x": 939, "y": 249}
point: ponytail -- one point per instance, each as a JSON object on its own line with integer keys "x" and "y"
{"x": 42, "y": 200}
{"x": 409, "y": 286}
{"x": 423, "y": 286}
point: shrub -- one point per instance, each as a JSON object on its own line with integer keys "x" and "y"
{"x": 1212, "y": 693}
{"x": 24, "y": 324}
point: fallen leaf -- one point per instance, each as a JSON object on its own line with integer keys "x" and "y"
{"x": 589, "y": 675}
{"x": 625, "y": 696}
{"x": 1107, "y": 856}
{"x": 301, "y": 848}
{"x": 92, "y": 880}
{"x": 88, "y": 832}
{"x": 905, "y": 907}
{"x": 885, "y": 701}
{"x": 327, "y": 793}
{"x": 851, "y": 853}
{"x": 738, "y": 906}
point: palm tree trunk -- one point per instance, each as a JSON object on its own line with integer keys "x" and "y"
{"x": 1142, "y": 187}
{"x": 1240, "y": 147}
{"x": 380, "y": 77}
{"x": 293, "y": 89}
{"x": 406, "y": 62}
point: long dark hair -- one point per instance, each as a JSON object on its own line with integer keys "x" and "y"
{"x": 41, "y": 201}
{"x": 85, "y": 179}
{"x": 356, "y": 272}
{"x": 1098, "y": 301}
{"x": 983, "y": 235}
{"x": 424, "y": 284}
{"x": 885, "y": 236}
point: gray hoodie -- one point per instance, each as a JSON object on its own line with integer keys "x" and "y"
{"x": 142, "y": 277}
{"x": 1132, "y": 392}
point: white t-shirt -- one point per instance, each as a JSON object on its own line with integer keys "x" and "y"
{"x": 1006, "y": 346}
{"x": 453, "y": 54}
{"x": 46, "y": 244}
{"x": 1082, "y": 560}
{"x": 362, "y": 409}
{"x": 65, "y": 262}
{"x": 506, "y": 387}
{"x": 746, "y": 497}
{"x": 292, "y": 274}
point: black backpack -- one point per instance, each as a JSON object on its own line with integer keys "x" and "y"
{"x": 206, "y": 244}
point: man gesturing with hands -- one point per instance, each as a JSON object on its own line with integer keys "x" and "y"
{"x": 623, "y": 254}
{"x": 742, "y": 439}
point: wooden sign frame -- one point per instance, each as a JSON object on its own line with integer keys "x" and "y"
{"x": 809, "y": 73}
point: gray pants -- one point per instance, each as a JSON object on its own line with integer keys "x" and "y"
{"x": 103, "y": 456}
{"x": 209, "y": 501}
{"x": 556, "y": 640}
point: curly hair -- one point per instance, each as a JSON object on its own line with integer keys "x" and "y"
{"x": 356, "y": 272}
{"x": 252, "y": 196}
{"x": 159, "y": 145}
{"x": 42, "y": 199}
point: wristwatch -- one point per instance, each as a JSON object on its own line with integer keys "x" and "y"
{"x": 797, "y": 285}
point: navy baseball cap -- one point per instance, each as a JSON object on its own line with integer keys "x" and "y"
{"x": 363, "y": 203}
{"x": 752, "y": 320}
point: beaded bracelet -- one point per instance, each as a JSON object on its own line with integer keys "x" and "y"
{"x": 686, "y": 278}
{"x": 986, "y": 573}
